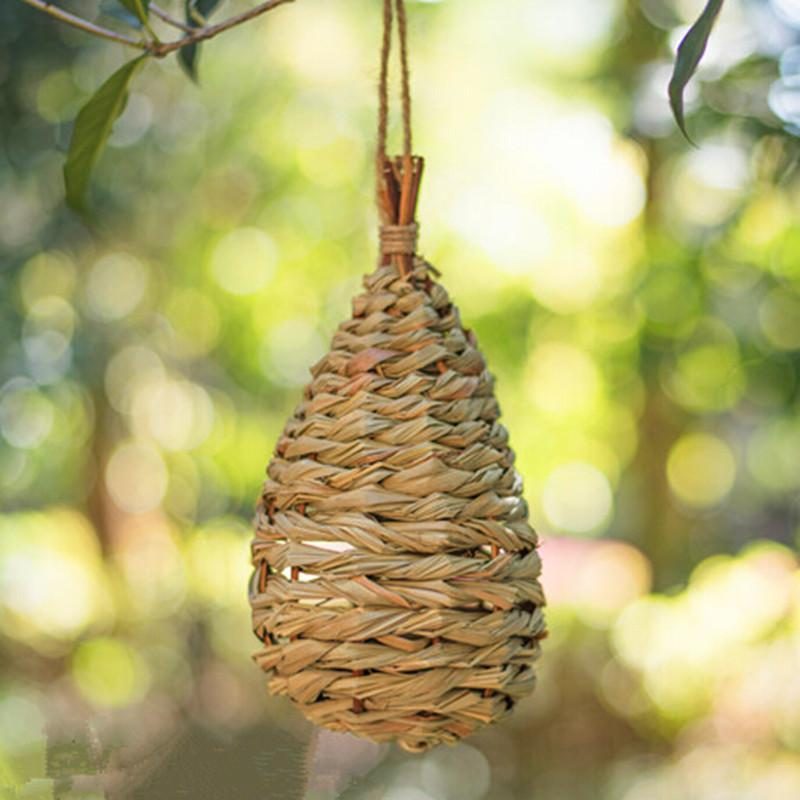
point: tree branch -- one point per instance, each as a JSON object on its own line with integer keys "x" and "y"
{"x": 84, "y": 25}
{"x": 156, "y": 48}
{"x": 209, "y": 31}
{"x": 169, "y": 19}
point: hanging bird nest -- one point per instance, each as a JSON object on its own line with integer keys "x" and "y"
{"x": 396, "y": 587}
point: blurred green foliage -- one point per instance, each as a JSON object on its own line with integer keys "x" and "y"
{"x": 639, "y": 302}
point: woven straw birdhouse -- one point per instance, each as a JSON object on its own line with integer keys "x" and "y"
{"x": 396, "y": 587}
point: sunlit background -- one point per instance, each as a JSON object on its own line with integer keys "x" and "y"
{"x": 638, "y": 300}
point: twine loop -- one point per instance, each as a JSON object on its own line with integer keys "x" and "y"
{"x": 392, "y": 8}
{"x": 399, "y": 239}
{"x": 397, "y": 179}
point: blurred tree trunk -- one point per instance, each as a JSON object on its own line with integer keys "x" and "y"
{"x": 104, "y": 515}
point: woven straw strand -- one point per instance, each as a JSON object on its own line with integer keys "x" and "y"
{"x": 396, "y": 587}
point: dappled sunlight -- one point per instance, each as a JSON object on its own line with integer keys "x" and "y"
{"x": 53, "y": 584}
{"x": 701, "y": 470}
{"x": 178, "y": 414}
{"x": 564, "y": 381}
{"x": 151, "y": 566}
{"x": 136, "y": 477}
{"x": 706, "y": 374}
{"x": 637, "y": 301}
{"x": 690, "y": 646}
{"x": 243, "y": 261}
{"x": 217, "y": 564}
{"x": 115, "y": 285}
{"x": 577, "y": 498}
{"x": 109, "y": 672}
{"x": 596, "y": 580}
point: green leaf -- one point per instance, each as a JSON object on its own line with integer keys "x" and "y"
{"x": 139, "y": 8}
{"x": 115, "y": 10}
{"x": 92, "y": 128}
{"x": 197, "y": 11}
{"x": 690, "y": 51}
{"x": 202, "y": 8}
{"x": 187, "y": 58}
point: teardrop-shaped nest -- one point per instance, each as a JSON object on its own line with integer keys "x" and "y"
{"x": 396, "y": 585}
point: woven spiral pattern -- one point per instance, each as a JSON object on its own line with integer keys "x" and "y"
{"x": 396, "y": 586}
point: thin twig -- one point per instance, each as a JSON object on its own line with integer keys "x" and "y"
{"x": 84, "y": 25}
{"x": 156, "y": 48}
{"x": 209, "y": 31}
{"x": 169, "y": 19}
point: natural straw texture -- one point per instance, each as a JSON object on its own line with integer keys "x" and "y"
{"x": 396, "y": 585}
